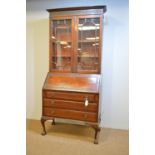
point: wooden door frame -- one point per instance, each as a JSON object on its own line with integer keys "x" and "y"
{"x": 100, "y": 16}
{"x": 51, "y": 45}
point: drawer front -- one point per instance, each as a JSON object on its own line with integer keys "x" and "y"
{"x": 70, "y": 96}
{"x": 73, "y": 105}
{"x": 70, "y": 114}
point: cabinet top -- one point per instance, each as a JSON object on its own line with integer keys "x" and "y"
{"x": 103, "y": 7}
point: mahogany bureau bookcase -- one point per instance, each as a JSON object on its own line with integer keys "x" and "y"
{"x": 72, "y": 86}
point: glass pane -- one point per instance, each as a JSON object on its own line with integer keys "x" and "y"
{"x": 61, "y": 45}
{"x": 88, "y": 44}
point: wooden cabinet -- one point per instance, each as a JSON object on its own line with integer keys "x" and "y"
{"x": 71, "y": 88}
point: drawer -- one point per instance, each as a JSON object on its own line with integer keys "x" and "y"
{"x": 70, "y": 114}
{"x": 73, "y": 105}
{"x": 70, "y": 96}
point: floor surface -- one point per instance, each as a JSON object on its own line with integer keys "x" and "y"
{"x": 67, "y": 139}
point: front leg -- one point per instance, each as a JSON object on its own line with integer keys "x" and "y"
{"x": 96, "y": 137}
{"x": 43, "y": 125}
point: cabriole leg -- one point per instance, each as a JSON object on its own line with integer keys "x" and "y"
{"x": 43, "y": 125}
{"x": 96, "y": 137}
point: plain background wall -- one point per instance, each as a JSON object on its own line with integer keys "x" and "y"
{"x": 115, "y": 93}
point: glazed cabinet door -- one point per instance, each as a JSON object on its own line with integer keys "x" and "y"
{"x": 88, "y": 44}
{"x": 61, "y": 44}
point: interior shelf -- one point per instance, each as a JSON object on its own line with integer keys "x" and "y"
{"x": 91, "y": 56}
{"x": 63, "y": 27}
{"x": 59, "y": 41}
{"x": 63, "y": 56}
{"x": 87, "y": 71}
{"x": 88, "y": 41}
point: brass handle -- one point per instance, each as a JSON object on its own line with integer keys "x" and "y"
{"x": 86, "y": 102}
